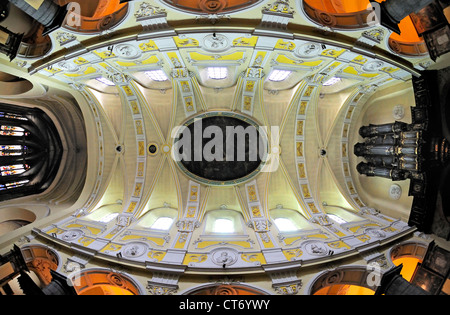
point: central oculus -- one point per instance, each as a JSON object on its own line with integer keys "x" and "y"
{"x": 220, "y": 148}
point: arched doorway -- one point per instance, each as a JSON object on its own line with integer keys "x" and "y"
{"x": 225, "y": 289}
{"x": 105, "y": 282}
{"x": 409, "y": 254}
{"x": 94, "y": 16}
{"x": 350, "y": 280}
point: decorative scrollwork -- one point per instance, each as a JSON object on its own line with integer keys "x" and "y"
{"x": 212, "y": 6}
{"x": 224, "y": 290}
{"x": 116, "y": 280}
{"x": 327, "y": 19}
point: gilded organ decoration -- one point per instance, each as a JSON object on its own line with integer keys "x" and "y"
{"x": 391, "y": 150}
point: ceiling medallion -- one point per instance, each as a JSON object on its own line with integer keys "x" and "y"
{"x": 308, "y": 50}
{"x": 71, "y": 235}
{"x": 395, "y": 192}
{"x": 134, "y": 250}
{"x": 216, "y": 43}
{"x": 398, "y": 112}
{"x": 68, "y": 66}
{"x": 373, "y": 66}
{"x": 224, "y": 257}
{"x": 127, "y": 51}
{"x": 220, "y": 148}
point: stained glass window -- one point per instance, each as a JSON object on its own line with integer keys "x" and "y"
{"x": 12, "y": 131}
{"x": 17, "y": 169}
{"x": 12, "y": 116}
{"x": 13, "y": 184}
{"x": 12, "y": 150}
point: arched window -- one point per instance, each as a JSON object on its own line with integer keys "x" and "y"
{"x": 221, "y": 222}
{"x": 223, "y": 226}
{"x": 341, "y": 215}
{"x": 287, "y": 220}
{"x": 160, "y": 219}
{"x": 105, "y": 214}
{"x": 285, "y": 225}
{"x": 109, "y": 217}
{"x": 162, "y": 223}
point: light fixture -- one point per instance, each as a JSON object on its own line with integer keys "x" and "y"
{"x": 105, "y": 81}
{"x": 217, "y": 73}
{"x": 279, "y": 75}
{"x": 285, "y": 225}
{"x": 156, "y": 75}
{"x": 332, "y": 81}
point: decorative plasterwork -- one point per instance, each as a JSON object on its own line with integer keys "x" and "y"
{"x": 259, "y": 222}
{"x": 252, "y": 79}
{"x": 277, "y": 14}
{"x": 151, "y": 17}
{"x": 119, "y": 61}
{"x": 189, "y": 221}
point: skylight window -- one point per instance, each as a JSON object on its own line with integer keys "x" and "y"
{"x": 163, "y": 223}
{"x": 332, "y": 81}
{"x": 223, "y": 226}
{"x": 156, "y": 75}
{"x": 217, "y": 73}
{"x": 279, "y": 75}
{"x": 105, "y": 81}
{"x": 285, "y": 225}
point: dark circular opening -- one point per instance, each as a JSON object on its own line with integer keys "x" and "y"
{"x": 152, "y": 149}
{"x": 220, "y": 148}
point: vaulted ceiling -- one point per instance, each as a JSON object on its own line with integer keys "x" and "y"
{"x": 312, "y": 123}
